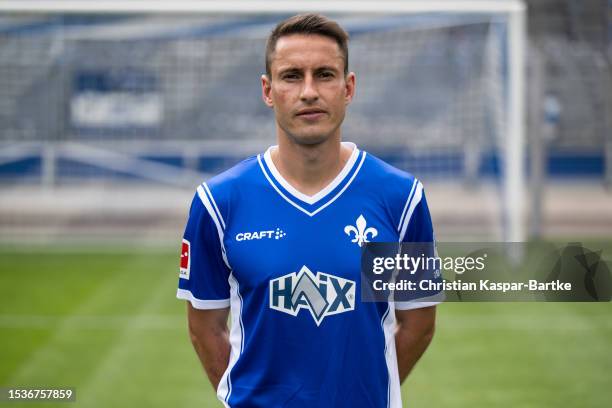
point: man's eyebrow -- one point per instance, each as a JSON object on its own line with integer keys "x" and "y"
{"x": 326, "y": 68}
{"x": 291, "y": 70}
{"x": 317, "y": 70}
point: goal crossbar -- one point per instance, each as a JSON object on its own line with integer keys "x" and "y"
{"x": 269, "y": 6}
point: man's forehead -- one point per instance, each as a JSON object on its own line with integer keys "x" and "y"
{"x": 299, "y": 50}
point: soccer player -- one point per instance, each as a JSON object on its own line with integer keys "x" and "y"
{"x": 276, "y": 241}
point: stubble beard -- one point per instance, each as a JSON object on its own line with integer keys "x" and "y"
{"x": 310, "y": 139}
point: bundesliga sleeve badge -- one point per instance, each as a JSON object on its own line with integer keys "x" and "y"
{"x": 185, "y": 259}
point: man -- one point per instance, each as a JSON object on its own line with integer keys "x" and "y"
{"x": 276, "y": 242}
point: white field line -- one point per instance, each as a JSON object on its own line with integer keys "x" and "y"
{"x": 138, "y": 322}
{"x": 100, "y": 381}
{"x": 46, "y": 356}
{"x": 114, "y": 246}
{"x": 540, "y": 323}
{"x": 156, "y": 322}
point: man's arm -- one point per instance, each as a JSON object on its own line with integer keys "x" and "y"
{"x": 210, "y": 338}
{"x": 415, "y": 329}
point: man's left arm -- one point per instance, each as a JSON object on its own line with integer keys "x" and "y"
{"x": 415, "y": 330}
{"x": 415, "y": 326}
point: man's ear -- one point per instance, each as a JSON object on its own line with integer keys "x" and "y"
{"x": 266, "y": 89}
{"x": 349, "y": 87}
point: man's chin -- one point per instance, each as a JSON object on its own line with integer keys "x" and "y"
{"x": 309, "y": 139}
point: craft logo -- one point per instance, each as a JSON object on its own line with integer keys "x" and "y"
{"x": 185, "y": 259}
{"x": 321, "y": 294}
{"x": 256, "y": 235}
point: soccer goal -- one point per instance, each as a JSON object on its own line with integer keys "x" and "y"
{"x": 168, "y": 91}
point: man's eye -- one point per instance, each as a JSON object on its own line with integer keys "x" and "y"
{"x": 290, "y": 77}
{"x": 326, "y": 75}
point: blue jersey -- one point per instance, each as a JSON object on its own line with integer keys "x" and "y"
{"x": 288, "y": 266}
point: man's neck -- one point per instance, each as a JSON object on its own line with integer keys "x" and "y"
{"x": 309, "y": 169}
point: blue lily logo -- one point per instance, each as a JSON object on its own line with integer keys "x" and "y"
{"x": 360, "y": 231}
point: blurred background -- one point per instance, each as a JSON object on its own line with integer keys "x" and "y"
{"x": 109, "y": 120}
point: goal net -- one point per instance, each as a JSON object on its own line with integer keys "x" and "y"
{"x": 169, "y": 92}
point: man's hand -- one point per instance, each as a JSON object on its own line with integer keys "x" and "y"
{"x": 210, "y": 338}
{"x": 415, "y": 329}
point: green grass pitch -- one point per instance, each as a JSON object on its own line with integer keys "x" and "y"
{"x": 108, "y": 324}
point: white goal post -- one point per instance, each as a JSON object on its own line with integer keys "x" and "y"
{"x": 512, "y": 11}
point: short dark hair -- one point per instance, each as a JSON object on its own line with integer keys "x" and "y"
{"x": 309, "y": 24}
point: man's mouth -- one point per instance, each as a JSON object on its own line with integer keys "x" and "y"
{"x": 311, "y": 113}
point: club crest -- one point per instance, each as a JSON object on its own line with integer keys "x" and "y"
{"x": 360, "y": 232}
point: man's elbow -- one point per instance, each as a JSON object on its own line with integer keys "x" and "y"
{"x": 204, "y": 336}
{"x": 421, "y": 332}
{"x": 198, "y": 333}
{"x": 193, "y": 336}
{"x": 428, "y": 333}
{"x": 418, "y": 324}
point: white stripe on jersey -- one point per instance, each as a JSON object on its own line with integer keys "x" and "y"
{"x": 212, "y": 200}
{"x": 363, "y": 156}
{"x": 224, "y": 391}
{"x": 418, "y": 194}
{"x": 209, "y": 207}
{"x": 394, "y": 395}
{"x": 414, "y": 184}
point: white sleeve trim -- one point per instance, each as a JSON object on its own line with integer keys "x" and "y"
{"x": 413, "y": 305}
{"x": 421, "y": 303}
{"x": 202, "y": 303}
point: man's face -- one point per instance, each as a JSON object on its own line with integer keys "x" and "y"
{"x": 308, "y": 89}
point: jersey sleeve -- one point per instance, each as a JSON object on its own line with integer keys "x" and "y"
{"x": 418, "y": 228}
{"x": 204, "y": 273}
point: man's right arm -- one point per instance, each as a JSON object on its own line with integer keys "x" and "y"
{"x": 209, "y": 335}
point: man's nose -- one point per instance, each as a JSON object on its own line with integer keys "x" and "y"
{"x": 309, "y": 90}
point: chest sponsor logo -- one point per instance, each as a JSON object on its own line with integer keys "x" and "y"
{"x": 185, "y": 259}
{"x": 360, "y": 232}
{"x": 255, "y": 235}
{"x": 322, "y": 294}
